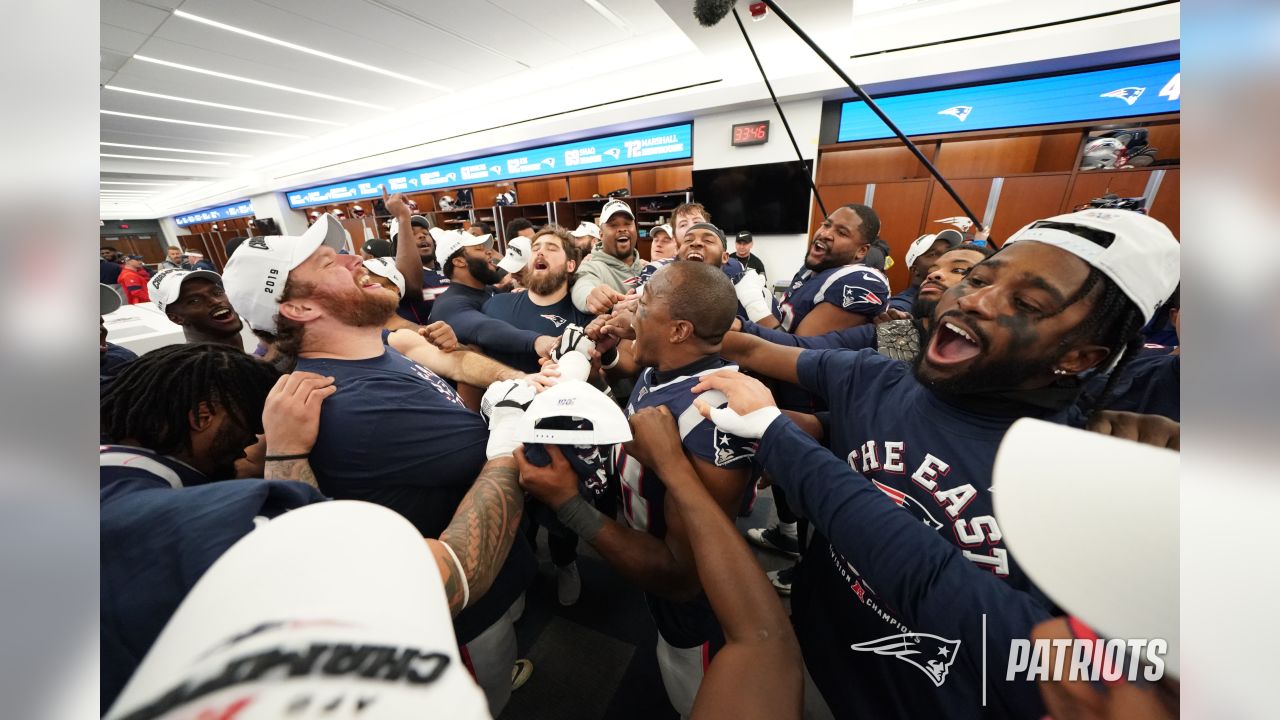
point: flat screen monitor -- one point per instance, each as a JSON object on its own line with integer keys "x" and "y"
{"x": 769, "y": 199}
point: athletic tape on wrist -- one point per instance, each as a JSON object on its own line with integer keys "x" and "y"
{"x": 581, "y": 517}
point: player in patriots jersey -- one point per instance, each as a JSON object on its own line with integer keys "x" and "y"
{"x": 680, "y": 322}
{"x": 546, "y": 308}
{"x": 1017, "y": 337}
{"x": 832, "y": 291}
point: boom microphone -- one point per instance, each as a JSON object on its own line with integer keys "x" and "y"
{"x": 710, "y": 12}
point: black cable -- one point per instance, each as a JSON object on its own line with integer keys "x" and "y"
{"x": 874, "y": 108}
{"x": 786, "y": 125}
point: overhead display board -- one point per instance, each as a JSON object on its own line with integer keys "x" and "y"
{"x": 225, "y": 212}
{"x": 1148, "y": 89}
{"x": 673, "y": 142}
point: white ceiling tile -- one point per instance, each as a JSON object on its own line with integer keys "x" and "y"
{"x": 120, "y": 40}
{"x": 128, "y": 14}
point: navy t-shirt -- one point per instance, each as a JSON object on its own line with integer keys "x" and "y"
{"x": 162, "y": 525}
{"x": 856, "y": 289}
{"x": 518, "y": 309}
{"x": 460, "y": 306}
{"x": 933, "y": 460}
{"x": 643, "y": 494}
{"x": 858, "y": 337}
{"x": 108, "y": 272}
{"x": 394, "y": 433}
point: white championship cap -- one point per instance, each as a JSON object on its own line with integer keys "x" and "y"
{"x": 1142, "y": 257}
{"x": 613, "y": 207}
{"x": 578, "y": 400}
{"x": 449, "y": 242}
{"x": 666, "y": 228}
{"x": 1093, "y": 520}
{"x": 166, "y": 286}
{"x": 385, "y": 267}
{"x": 254, "y": 277}
{"x": 586, "y": 229}
{"x": 518, "y": 252}
{"x": 921, "y": 245}
{"x": 340, "y": 602}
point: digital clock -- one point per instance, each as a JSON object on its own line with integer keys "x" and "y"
{"x": 752, "y": 133}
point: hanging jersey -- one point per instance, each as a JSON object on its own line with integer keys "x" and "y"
{"x": 934, "y": 461}
{"x": 643, "y": 494}
{"x": 856, "y": 289}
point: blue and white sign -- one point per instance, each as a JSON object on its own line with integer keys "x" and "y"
{"x": 674, "y": 142}
{"x": 1150, "y": 89}
{"x": 226, "y": 212}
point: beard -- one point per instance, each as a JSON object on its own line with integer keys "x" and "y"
{"x": 228, "y": 446}
{"x": 359, "y": 308}
{"x": 428, "y": 257}
{"x": 922, "y": 309}
{"x": 483, "y": 272}
{"x": 986, "y": 376}
{"x": 546, "y": 281}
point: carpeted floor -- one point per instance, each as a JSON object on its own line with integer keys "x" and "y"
{"x": 595, "y": 659}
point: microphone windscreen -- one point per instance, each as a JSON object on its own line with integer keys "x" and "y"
{"x": 710, "y": 12}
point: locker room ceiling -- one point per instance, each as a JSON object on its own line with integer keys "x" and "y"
{"x": 240, "y": 96}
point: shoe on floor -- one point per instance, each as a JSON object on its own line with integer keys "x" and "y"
{"x": 521, "y": 672}
{"x": 568, "y": 584}
{"x": 771, "y": 538}
{"x": 781, "y": 579}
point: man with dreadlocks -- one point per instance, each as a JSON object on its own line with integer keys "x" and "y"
{"x": 178, "y": 417}
{"x": 1015, "y": 338}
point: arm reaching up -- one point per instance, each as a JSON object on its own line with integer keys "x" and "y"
{"x": 758, "y": 672}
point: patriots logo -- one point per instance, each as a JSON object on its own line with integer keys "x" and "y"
{"x": 258, "y": 243}
{"x": 640, "y": 395}
{"x": 959, "y": 112}
{"x": 438, "y": 383}
{"x": 910, "y": 504}
{"x": 555, "y": 319}
{"x": 933, "y": 655}
{"x": 731, "y": 448}
{"x": 851, "y": 296}
{"x": 1127, "y": 94}
{"x": 613, "y": 153}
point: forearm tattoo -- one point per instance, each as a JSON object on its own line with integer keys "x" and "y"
{"x": 299, "y": 470}
{"x": 484, "y": 526}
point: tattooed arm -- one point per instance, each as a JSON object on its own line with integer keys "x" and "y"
{"x": 299, "y": 470}
{"x": 480, "y": 533}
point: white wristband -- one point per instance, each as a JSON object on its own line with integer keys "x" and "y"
{"x": 466, "y": 587}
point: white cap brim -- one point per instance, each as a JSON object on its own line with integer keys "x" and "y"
{"x": 1093, "y": 520}
{"x": 334, "y": 573}
{"x": 575, "y": 398}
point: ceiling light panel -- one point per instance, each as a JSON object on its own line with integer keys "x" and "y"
{"x": 308, "y": 50}
{"x": 163, "y": 159}
{"x": 221, "y": 106}
{"x": 158, "y": 107}
{"x": 172, "y": 149}
{"x": 193, "y": 123}
{"x": 132, "y": 182}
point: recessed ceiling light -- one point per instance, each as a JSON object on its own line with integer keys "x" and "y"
{"x": 169, "y": 149}
{"x": 607, "y": 14}
{"x": 262, "y": 83}
{"x": 123, "y": 182}
{"x": 177, "y": 160}
{"x": 309, "y": 51}
{"x": 237, "y": 108}
{"x": 200, "y": 124}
